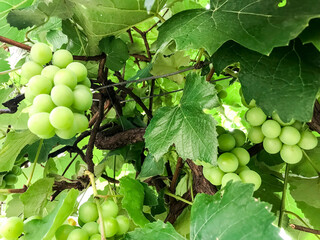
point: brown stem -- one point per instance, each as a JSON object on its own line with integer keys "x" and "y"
{"x": 305, "y": 229}
{"x": 140, "y": 57}
{"x": 109, "y": 179}
{"x": 210, "y": 74}
{"x": 315, "y": 122}
{"x": 151, "y": 94}
{"x": 106, "y": 109}
{"x": 176, "y": 175}
{"x": 14, "y": 43}
{"x": 12, "y": 104}
{"x": 145, "y": 40}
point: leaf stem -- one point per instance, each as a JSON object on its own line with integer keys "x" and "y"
{"x": 167, "y": 192}
{"x": 9, "y": 71}
{"x": 35, "y": 163}
{"x": 311, "y": 163}
{"x": 284, "y": 192}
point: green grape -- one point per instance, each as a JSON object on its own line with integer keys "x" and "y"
{"x": 239, "y": 136}
{"x": 255, "y": 116}
{"x": 271, "y": 129}
{"x": 91, "y": 228}
{"x": 63, "y": 231}
{"x": 61, "y": 118}
{"x": 291, "y": 154}
{"x": 41, "y": 53}
{"x": 62, "y": 95}
{"x": 226, "y": 142}
{"x": 39, "y": 85}
{"x": 222, "y": 94}
{"x": 298, "y": 125}
{"x": 229, "y": 177}
{"x": 82, "y": 99}
{"x": 86, "y": 83}
{"x": 81, "y": 86}
{"x": 213, "y": 175}
{"x": 109, "y": 209}
{"x": 249, "y": 176}
{"x": 220, "y": 130}
{"x": 16, "y": 170}
{"x": 81, "y": 122}
{"x": 43, "y": 103}
{"x": 11, "y": 179}
{"x": 12, "y": 228}
{"x": 255, "y": 135}
{"x": 308, "y": 141}
{"x": 123, "y": 223}
{"x": 28, "y": 95}
{"x": 111, "y": 226}
{"x": 50, "y": 71}
{"x": 67, "y": 133}
{"x": 242, "y": 168}
{"x": 88, "y": 212}
{"x": 65, "y": 77}
{"x": 39, "y": 124}
{"x": 289, "y": 135}
{"x": 62, "y": 58}
{"x": 30, "y": 69}
{"x": 80, "y": 222}
{"x": 79, "y": 69}
{"x": 242, "y": 155}
{"x": 95, "y": 237}
{"x": 218, "y": 87}
{"x": 272, "y": 145}
{"x": 276, "y": 117}
{"x": 78, "y": 234}
{"x": 3, "y": 197}
{"x": 3, "y": 184}
{"x": 48, "y": 135}
{"x": 228, "y": 162}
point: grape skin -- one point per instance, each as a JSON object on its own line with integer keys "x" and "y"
{"x": 30, "y": 69}
{"x": 255, "y": 116}
{"x": 39, "y": 85}
{"x": 228, "y": 162}
{"x": 65, "y": 77}
{"x": 39, "y": 124}
{"x": 272, "y": 145}
{"x": 49, "y": 72}
{"x": 230, "y": 177}
{"x": 271, "y": 129}
{"x": 41, "y": 53}
{"x": 82, "y": 99}
{"x": 123, "y": 223}
{"x": 308, "y": 141}
{"x": 289, "y": 135}
{"x": 109, "y": 209}
{"x": 291, "y": 154}
{"x": 12, "y": 228}
{"x": 62, "y": 58}
{"x": 61, "y": 118}
{"x": 111, "y": 226}
{"x": 88, "y": 212}
{"x": 78, "y": 234}
{"x": 43, "y": 103}
{"x": 213, "y": 175}
{"x": 239, "y": 136}
{"x": 242, "y": 155}
{"x": 255, "y": 135}
{"x": 62, "y": 95}
{"x": 226, "y": 142}
{"x": 249, "y": 176}
{"x": 79, "y": 69}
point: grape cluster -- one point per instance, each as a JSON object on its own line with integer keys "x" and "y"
{"x": 277, "y": 136}
{"x": 9, "y": 179}
{"x": 114, "y": 224}
{"x": 60, "y": 93}
{"x": 232, "y": 160}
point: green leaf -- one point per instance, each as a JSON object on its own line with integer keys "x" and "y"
{"x": 116, "y": 51}
{"x": 235, "y": 211}
{"x": 186, "y": 125}
{"x": 14, "y": 207}
{"x": 56, "y": 38}
{"x": 151, "y": 168}
{"x": 148, "y": 4}
{"x": 17, "y": 121}
{"x": 155, "y": 230}
{"x": 12, "y": 146}
{"x": 257, "y": 25}
{"x": 133, "y": 199}
{"x": 4, "y": 65}
{"x": 45, "y": 228}
{"x": 292, "y": 73}
{"x": 312, "y": 33}
{"x": 161, "y": 207}
{"x": 36, "y": 197}
{"x": 150, "y": 197}
{"x": 76, "y": 39}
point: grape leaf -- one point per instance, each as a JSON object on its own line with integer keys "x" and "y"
{"x": 5, "y": 8}
{"x": 186, "y": 125}
{"x": 14, "y": 207}
{"x": 155, "y": 230}
{"x": 56, "y": 38}
{"x": 150, "y": 198}
{"x": 45, "y": 228}
{"x": 148, "y": 4}
{"x": 76, "y": 39}
{"x": 288, "y": 74}
{"x": 133, "y": 199}
{"x": 257, "y": 25}
{"x": 14, "y": 143}
{"x": 312, "y": 33}
{"x": 17, "y": 120}
{"x": 151, "y": 168}
{"x": 235, "y": 211}
{"x": 116, "y": 51}
{"x": 4, "y": 65}
{"x": 36, "y": 197}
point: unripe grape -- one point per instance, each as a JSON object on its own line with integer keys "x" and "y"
{"x": 213, "y": 175}
{"x": 63, "y": 231}
{"x": 276, "y": 117}
{"x": 41, "y": 53}
{"x": 86, "y": 83}
{"x": 289, "y": 135}
{"x": 109, "y": 209}
{"x": 291, "y": 154}
{"x": 249, "y": 176}
{"x": 222, "y": 94}
{"x": 228, "y": 162}
{"x": 12, "y": 228}
{"x": 308, "y": 141}
{"x": 79, "y": 69}
{"x": 228, "y": 177}
{"x": 272, "y": 145}
{"x": 62, "y": 58}
{"x": 242, "y": 168}
{"x": 61, "y": 118}
{"x": 62, "y": 95}
{"x": 82, "y": 99}
{"x": 218, "y": 87}
{"x": 220, "y": 130}
{"x": 95, "y": 237}
{"x": 88, "y": 212}
{"x": 30, "y": 69}
{"x": 81, "y": 122}
{"x": 43, "y": 103}
{"x": 111, "y": 226}
{"x": 16, "y": 170}
{"x": 78, "y": 234}
{"x": 67, "y": 133}
{"x": 123, "y": 223}
{"x": 3, "y": 184}
{"x": 271, "y": 129}
{"x": 91, "y": 228}
{"x": 11, "y": 179}
{"x": 39, "y": 85}
{"x": 239, "y": 136}
{"x": 255, "y": 116}
{"x": 28, "y": 95}
{"x": 297, "y": 125}
{"x": 242, "y": 155}
{"x": 48, "y": 135}
{"x": 65, "y": 77}
{"x": 49, "y": 72}
{"x": 226, "y": 142}
{"x": 39, "y": 124}
{"x": 255, "y": 135}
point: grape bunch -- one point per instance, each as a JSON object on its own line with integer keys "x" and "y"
{"x": 232, "y": 161}
{"x": 114, "y": 224}
{"x": 8, "y": 180}
{"x": 60, "y": 93}
{"x": 11, "y": 228}
{"x": 290, "y": 139}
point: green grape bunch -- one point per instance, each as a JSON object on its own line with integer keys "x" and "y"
{"x": 59, "y": 93}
